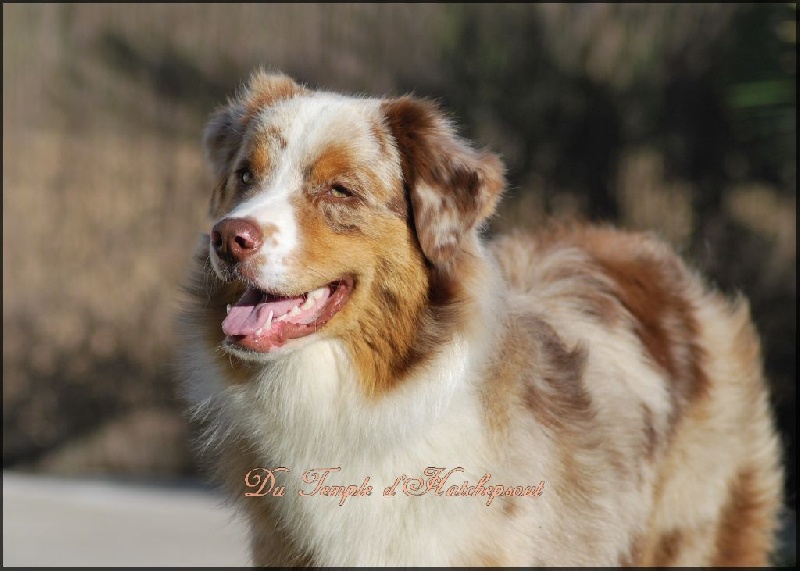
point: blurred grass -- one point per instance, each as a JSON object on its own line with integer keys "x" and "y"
{"x": 677, "y": 118}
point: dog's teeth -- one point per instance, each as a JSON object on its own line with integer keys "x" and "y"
{"x": 308, "y": 303}
{"x": 295, "y": 310}
{"x": 269, "y": 320}
{"x": 228, "y": 308}
{"x": 260, "y": 331}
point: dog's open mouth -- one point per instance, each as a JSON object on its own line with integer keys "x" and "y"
{"x": 260, "y": 321}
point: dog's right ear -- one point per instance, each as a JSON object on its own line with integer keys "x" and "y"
{"x": 226, "y": 127}
{"x": 452, "y": 187}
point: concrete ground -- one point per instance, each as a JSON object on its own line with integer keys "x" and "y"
{"x": 49, "y": 521}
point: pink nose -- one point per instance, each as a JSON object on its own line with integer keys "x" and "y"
{"x": 236, "y": 239}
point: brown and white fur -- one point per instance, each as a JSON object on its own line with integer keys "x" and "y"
{"x": 585, "y": 357}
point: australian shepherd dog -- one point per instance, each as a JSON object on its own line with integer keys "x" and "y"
{"x": 377, "y": 384}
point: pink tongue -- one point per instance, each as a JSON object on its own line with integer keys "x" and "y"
{"x": 251, "y": 312}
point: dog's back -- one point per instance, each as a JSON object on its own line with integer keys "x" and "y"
{"x": 681, "y": 357}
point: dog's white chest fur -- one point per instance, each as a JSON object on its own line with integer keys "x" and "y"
{"x": 307, "y": 415}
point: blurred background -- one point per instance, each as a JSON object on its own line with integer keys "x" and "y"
{"x": 676, "y": 118}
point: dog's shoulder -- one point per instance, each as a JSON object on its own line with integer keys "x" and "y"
{"x": 622, "y": 292}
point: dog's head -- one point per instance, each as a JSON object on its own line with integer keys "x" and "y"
{"x": 326, "y": 205}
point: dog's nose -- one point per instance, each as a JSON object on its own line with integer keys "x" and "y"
{"x": 235, "y": 239}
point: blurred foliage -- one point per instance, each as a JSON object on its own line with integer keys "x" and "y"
{"x": 760, "y": 89}
{"x": 555, "y": 124}
{"x": 676, "y": 118}
{"x": 718, "y": 101}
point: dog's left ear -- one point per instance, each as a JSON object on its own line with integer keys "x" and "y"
{"x": 452, "y": 187}
{"x": 225, "y": 130}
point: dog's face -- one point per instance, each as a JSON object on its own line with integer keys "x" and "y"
{"x": 335, "y": 214}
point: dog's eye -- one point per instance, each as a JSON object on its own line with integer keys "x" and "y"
{"x": 246, "y": 176}
{"x": 338, "y": 191}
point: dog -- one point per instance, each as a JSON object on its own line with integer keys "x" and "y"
{"x": 375, "y": 383}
